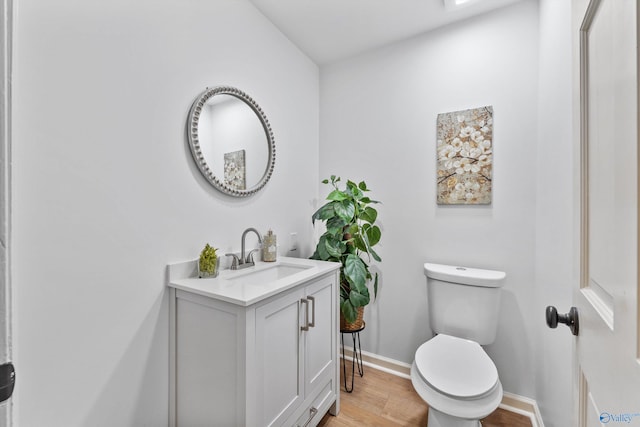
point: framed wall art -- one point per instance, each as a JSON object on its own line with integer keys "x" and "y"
{"x": 235, "y": 173}
{"x": 465, "y": 157}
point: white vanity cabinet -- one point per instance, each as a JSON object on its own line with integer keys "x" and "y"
{"x": 269, "y": 361}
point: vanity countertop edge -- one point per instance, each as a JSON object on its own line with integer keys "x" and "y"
{"x": 183, "y": 276}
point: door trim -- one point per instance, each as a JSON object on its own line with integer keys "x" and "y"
{"x": 638, "y": 190}
{"x": 5, "y": 193}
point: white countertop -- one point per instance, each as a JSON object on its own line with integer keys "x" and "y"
{"x": 251, "y": 285}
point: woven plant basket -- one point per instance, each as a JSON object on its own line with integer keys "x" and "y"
{"x": 356, "y": 325}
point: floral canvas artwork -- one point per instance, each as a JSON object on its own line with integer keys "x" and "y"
{"x": 465, "y": 157}
{"x": 234, "y": 170}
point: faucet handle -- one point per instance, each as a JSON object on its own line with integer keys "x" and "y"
{"x": 249, "y": 258}
{"x": 234, "y": 262}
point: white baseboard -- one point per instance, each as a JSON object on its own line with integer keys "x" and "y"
{"x": 523, "y": 406}
{"x": 510, "y": 402}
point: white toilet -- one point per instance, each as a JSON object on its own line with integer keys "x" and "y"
{"x": 451, "y": 372}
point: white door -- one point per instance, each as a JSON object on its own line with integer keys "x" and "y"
{"x": 607, "y": 350}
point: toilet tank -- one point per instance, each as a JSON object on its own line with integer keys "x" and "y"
{"x": 464, "y": 302}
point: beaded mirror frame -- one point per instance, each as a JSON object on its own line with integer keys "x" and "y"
{"x": 196, "y": 149}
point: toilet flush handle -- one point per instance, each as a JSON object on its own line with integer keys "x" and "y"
{"x": 570, "y": 319}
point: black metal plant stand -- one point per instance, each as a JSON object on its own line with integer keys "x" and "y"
{"x": 357, "y": 356}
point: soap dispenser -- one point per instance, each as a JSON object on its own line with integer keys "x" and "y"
{"x": 269, "y": 247}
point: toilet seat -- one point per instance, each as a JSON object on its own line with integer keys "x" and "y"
{"x": 473, "y": 409}
{"x": 456, "y": 367}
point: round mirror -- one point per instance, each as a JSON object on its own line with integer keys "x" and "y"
{"x": 231, "y": 141}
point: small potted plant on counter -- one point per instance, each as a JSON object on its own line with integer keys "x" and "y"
{"x": 349, "y": 238}
{"x": 209, "y": 263}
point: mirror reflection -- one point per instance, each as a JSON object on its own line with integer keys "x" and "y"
{"x": 231, "y": 141}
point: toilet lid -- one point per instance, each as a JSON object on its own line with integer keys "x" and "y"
{"x": 456, "y": 367}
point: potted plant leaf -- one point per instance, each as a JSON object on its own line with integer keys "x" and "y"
{"x": 349, "y": 238}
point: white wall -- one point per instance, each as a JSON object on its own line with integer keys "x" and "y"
{"x": 554, "y": 212}
{"x": 105, "y": 192}
{"x": 378, "y": 123}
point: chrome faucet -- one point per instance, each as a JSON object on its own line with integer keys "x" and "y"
{"x": 244, "y": 262}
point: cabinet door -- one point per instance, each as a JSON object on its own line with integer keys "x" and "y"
{"x": 320, "y": 340}
{"x": 279, "y": 387}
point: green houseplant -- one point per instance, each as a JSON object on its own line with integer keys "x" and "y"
{"x": 349, "y": 238}
{"x": 208, "y": 263}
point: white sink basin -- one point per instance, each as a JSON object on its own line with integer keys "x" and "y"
{"x": 266, "y": 275}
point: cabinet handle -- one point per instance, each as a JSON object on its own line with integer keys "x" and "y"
{"x": 313, "y": 313}
{"x": 312, "y": 412}
{"x": 306, "y": 323}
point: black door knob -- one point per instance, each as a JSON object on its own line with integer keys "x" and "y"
{"x": 570, "y": 319}
{"x": 7, "y": 380}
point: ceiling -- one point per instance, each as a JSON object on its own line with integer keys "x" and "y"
{"x": 330, "y": 30}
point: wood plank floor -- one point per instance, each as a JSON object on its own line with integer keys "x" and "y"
{"x": 384, "y": 400}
